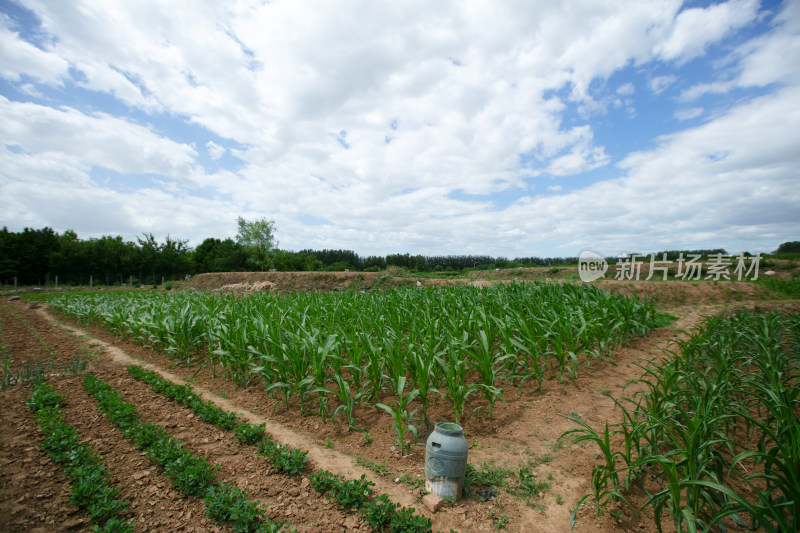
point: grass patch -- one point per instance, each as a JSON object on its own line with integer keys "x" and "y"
{"x": 782, "y": 288}
{"x": 379, "y": 468}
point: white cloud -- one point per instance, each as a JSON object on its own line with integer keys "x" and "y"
{"x": 659, "y": 84}
{"x": 92, "y": 140}
{"x": 18, "y": 58}
{"x": 214, "y": 150}
{"x": 625, "y": 89}
{"x": 696, "y": 28}
{"x": 436, "y": 99}
{"x": 688, "y": 113}
{"x": 701, "y": 89}
{"x": 771, "y": 58}
{"x": 762, "y": 61}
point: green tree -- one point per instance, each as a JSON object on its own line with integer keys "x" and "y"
{"x": 69, "y": 257}
{"x": 214, "y": 255}
{"x": 257, "y": 237}
{"x": 149, "y": 252}
{"x": 174, "y": 258}
{"x": 791, "y": 247}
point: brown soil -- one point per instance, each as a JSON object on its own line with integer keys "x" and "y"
{"x": 36, "y": 495}
{"x": 290, "y": 282}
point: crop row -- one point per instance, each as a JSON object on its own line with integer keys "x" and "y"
{"x": 352, "y": 348}
{"x": 284, "y": 458}
{"x": 189, "y": 473}
{"x": 379, "y": 511}
{"x": 82, "y": 465}
{"x": 714, "y": 435}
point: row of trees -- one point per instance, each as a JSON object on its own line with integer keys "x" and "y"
{"x": 39, "y": 256}
{"x": 42, "y": 256}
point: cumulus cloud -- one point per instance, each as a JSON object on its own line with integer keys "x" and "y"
{"x": 92, "y": 140}
{"x": 696, "y": 28}
{"x": 20, "y": 58}
{"x": 214, "y": 150}
{"x": 399, "y": 125}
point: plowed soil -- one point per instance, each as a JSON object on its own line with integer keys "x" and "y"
{"x": 34, "y": 495}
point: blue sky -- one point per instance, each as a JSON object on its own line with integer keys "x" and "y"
{"x": 508, "y": 128}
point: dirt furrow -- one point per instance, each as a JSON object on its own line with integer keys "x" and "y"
{"x": 155, "y": 505}
{"x": 287, "y": 498}
{"x": 34, "y": 493}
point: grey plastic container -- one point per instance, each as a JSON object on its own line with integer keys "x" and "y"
{"x": 446, "y": 461}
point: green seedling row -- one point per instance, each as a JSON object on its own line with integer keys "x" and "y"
{"x": 285, "y": 458}
{"x": 40, "y": 369}
{"x": 91, "y": 482}
{"x": 191, "y": 474}
{"x": 714, "y": 437}
{"x": 379, "y": 512}
{"x": 350, "y": 494}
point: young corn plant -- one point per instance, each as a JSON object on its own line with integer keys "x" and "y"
{"x": 490, "y": 369}
{"x": 454, "y": 373}
{"x": 290, "y": 364}
{"x": 375, "y": 366}
{"x": 347, "y": 401}
{"x": 320, "y": 353}
{"x": 716, "y": 429}
{"x": 401, "y": 417}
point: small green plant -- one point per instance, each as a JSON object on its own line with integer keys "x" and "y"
{"x": 379, "y": 468}
{"x": 225, "y": 502}
{"x": 400, "y": 415}
{"x": 351, "y": 494}
{"x": 324, "y": 481}
{"x": 191, "y": 474}
{"x": 347, "y": 401}
{"x": 250, "y": 433}
{"x": 284, "y": 458}
{"x": 379, "y": 512}
{"x": 500, "y": 519}
{"x": 329, "y": 444}
{"x": 528, "y": 486}
{"x": 367, "y": 438}
{"x": 405, "y": 521}
{"x": 415, "y": 484}
{"x": 487, "y": 475}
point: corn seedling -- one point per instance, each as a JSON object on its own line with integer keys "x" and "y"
{"x": 400, "y": 415}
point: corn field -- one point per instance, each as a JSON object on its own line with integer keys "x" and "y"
{"x": 714, "y": 436}
{"x": 336, "y": 352}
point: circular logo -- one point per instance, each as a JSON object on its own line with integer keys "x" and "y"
{"x": 591, "y": 265}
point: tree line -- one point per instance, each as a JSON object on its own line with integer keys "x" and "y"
{"x": 43, "y": 256}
